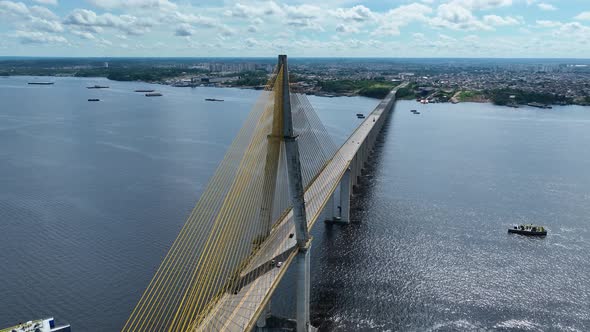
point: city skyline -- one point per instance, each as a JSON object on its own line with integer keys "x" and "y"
{"x": 427, "y": 28}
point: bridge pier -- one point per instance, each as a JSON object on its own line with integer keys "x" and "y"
{"x": 264, "y": 315}
{"x": 341, "y": 212}
{"x": 302, "y": 262}
{"x": 345, "y": 186}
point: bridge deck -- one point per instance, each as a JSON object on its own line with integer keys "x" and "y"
{"x": 238, "y": 311}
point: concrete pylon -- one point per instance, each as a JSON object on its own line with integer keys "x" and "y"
{"x": 298, "y": 201}
{"x": 345, "y": 186}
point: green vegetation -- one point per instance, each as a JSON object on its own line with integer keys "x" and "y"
{"x": 367, "y": 88}
{"x": 503, "y": 97}
{"x": 252, "y": 78}
{"x": 409, "y": 92}
{"x": 145, "y": 74}
{"x": 467, "y": 96}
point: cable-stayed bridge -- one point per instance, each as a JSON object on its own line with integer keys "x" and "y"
{"x": 281, "y": 174}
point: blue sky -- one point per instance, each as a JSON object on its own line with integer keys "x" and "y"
{"x": 394, "y": 28}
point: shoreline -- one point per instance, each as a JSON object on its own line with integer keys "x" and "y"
{"x": 453, "y": 100}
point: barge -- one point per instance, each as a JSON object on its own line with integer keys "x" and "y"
{"x": 529, "y": 229}
{"x": 40, "y": 325}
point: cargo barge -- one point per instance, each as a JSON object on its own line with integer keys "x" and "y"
{"x": 40, "y": 325}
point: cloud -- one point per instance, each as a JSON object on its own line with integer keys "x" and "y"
{"x": 83, "y": 34}
{"x": 546, "y": 6}
{"x": 548, "y": 24}
{"x": 134, "y": 4}
{"x": 456, "y": 16}
{"x": 584, "y": 16}
{"x": 303, "y": 17}
{"x": 184, "y": 30}
{"x": 391, "y": 22}
{"x": 481, "y": 4}
{"x": 347, "y": 28}
{"x": 14, "y": 8}
{"x": 46, "y": 25}
{"x": 129, "y": 24}
{"x": 36, "y": 37}
{"x": 255, "y": 10}
{"x": 43, "y": 13}
{"x": 495, "y": 20}
{"x": 197, "y": 20}
{"x": 357, "y": 13}
{"x": 47, "y": 2}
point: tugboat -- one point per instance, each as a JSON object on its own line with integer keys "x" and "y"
{"x": 529, "y": 229}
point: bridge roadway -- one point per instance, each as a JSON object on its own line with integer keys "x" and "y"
{"x": 239, "y": 310}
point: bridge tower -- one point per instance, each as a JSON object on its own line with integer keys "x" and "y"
{"x": 298, "y": 202}
{"x": 282, "y": 130}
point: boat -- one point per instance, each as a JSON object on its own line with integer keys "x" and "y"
{"x": 153, "y": 94}
{"x": 529, "y": 229}
{"x": 144, "y": 90}
{"x": 413, "y": 111}
{"x": 97, "y": 87}
{"x": 213, "y": 99}
{"x": 539, "y": 105}
{"x": 40, "y": 325}
{"x": 93, "y": 99}
{"x": 416, "y": 112}
{"x": 41, "y": 83}
{"x": 360, "y": 115}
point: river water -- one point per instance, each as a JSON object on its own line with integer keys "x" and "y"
{"x": 93, "y": 194}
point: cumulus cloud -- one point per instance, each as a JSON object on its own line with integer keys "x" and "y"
{"x": 548, "y": 24}
{"x": 134, "y": 4}
{"x": 347, "y": 28}
{"x": 457, "y": 17}
{"x": 546, "y": 6}
{"x": 36, "y": 37}
{"x": 583, "y": 16}
{"x": 357, "y": 13}
{"x": 482, "y": 4}
{"x": 197, "y": 20}
{"x": 46, "y": 25}
{"x": 255, "y": 10}
{"x": 43, "y": 12}
{"x": 391, "y": 22}
{"x": 83, "y": 34}
{"x": 495, "y": 20}
{"x": 184, "y": 30}
{"x": 129, "y": 24}
{"x": 13, "y": 8}
{"x": 47, "y": 2}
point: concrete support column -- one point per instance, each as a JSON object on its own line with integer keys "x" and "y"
{"x": 345, "y": 186}
{"x": 328, "y": 213}
{"x": 261, "y": 322}
{"x": 303, "y": 289}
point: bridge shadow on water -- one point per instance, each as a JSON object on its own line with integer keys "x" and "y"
{"x": 334, "y": 250}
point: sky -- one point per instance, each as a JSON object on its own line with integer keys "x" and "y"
{"x": 300, "y": 28}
